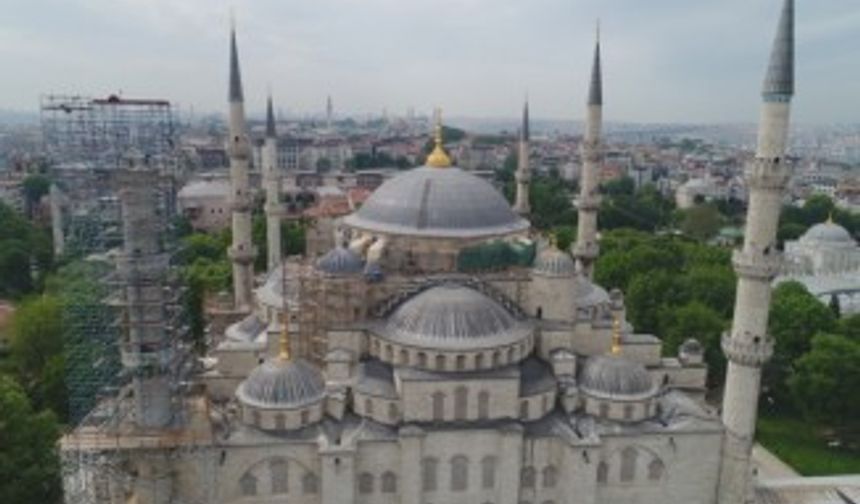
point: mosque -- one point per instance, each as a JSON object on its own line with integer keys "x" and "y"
{"x": 441, "y": 353}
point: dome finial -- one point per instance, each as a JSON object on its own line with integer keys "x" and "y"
{"x": 616, "y": 335}
{"x": 438, "y": 158}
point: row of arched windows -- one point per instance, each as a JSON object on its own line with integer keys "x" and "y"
{"x": 367, "y": 483}
{"x": 627, "y": 469}
{"x": 279, "y": 480}
{"x": 461, "y": 404}
{"x": 440, "y": 362}
{"x": 459, "y": 467}
{"x": 528, "y": 477}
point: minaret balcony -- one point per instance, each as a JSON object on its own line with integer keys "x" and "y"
{"x": 767, "y": 174}
{"x": 240, "y": 203}
{"x": 757, "y": 266}
{"x": 747, "y": 350}
{"x": 242, "y": 253}
{"x": 589, "y": 203}
{"x": 142, "y": 268}
{"x": 522, "y": 177}
{"x": 588, "y": 250}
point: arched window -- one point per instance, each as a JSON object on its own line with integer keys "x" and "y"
{"x": 389, "y": 482}
{"x": 461, "y": 362}
{"x": 604, "y": 410}
{"x": 511, "y": 355}
{"x": 497, "y": 358}
{"x": 304, "y": 416}
{"x": 392, "y": 411}
{"x": 549, "y": 476}
{"x": 310, "y": 483}
{"x": 256, "y": 418}
{"x": 278, "y": 469}
{"x": 483, "y": 405}
{"x": 524, "y": 410}
{"x": 459, "y": 473}
{"x": 440, "y": 362}
{"x": 628, "y": 464}
{"x": 365, "y": 483}
{"x": 479, "y": 361}
{"x": 655, "y": 470}
{"x": 602, "y": 472}
{"x": 368, "y": 407}
{"x": 488, "y": 472}
{"x": 280, "y": 422}
{"x": 461, "y": 398}
{"x": 438, "y": 406}
{"x": 422, "y": 359}
{"x": 248, "y": 485}
{"x": 389, "y": 353}
{"x": 628, "y": 411}
{"x": 429, "y": 466}
{"x": 404, "y": 357}
{"x": 527, "y": 477}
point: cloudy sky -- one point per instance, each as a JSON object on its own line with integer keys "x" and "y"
{"x": 664, "y": 60}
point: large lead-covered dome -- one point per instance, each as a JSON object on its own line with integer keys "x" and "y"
{"x": 452, "y": 317}
{"x": 439, "y": 202}
{"x": 828, "y": 233}
{"x": 613, "y": 376}
{"x": 279, "y": 383}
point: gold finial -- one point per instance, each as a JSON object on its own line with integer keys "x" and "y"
{"x": 616, "y": 335}
{"x": 438, "y": 158}
{"x": 284, "y": 353}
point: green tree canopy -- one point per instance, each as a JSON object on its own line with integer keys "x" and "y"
{"x": 701, "y": 221}
{"x": 698, "y": 321}
{"x": 29, "y": 465}
{"x": 825, "y": 382}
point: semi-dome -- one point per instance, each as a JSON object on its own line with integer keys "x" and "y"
{"x": 828, "y": 232}
{"x": 452, "y": 317}
{"x": 282, "y": 383}
{"x": 554, "y": 263}
{"x": 612, "y": 376}
{"x": 438, "y": 202}
{"x": 341, "y": 261}
{"x": 588, "y": 293}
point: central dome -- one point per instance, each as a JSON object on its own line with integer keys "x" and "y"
{"x": 828, "y": 232}
{"x": 442, "y": 202}
{"x": 452, "y": 317}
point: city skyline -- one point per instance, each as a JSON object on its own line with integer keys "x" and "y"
{"x": 670, "y": 61}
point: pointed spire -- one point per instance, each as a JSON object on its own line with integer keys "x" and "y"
{"x": 438, "y": 158}
{"x": 235, "y": 94}
{"x": 270, "y": 118}
{"x": 525, "y": 127}
{"x": 780, "y": 71}
{"x": 616, "y": 335}
{"x": 595, "y": 89}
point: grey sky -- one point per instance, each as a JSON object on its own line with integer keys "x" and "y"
{"x": 664, "y": 60}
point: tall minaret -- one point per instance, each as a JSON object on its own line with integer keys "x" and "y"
{"x": 748, "y": 345}
{"x": 523, "y": 175}
{"x": 586, "y": 248}
{"x": 272, "y": 184}
{"x": 329, "y": 112}
{"x": 242, "y": 251}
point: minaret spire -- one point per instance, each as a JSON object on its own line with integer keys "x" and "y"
{"x": 748, "y": 346}
{"x": 586, "y": 248}
{"x": 523, "y": 176}
{"x": 242, "y": 250}
{"x": 272, "y": 186}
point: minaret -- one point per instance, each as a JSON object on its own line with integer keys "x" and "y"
{"x": 242, "y": 251}
{"x": 586, "y": 248}
{"x": 523, "y": 175}
{"x": 329, "y": 112}
{"x": 272, "y": 184}
{"x": 147, "y": 350}
{"x": 748, "y": 346}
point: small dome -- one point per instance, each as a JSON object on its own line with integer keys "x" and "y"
{"x": 437, "y": 202}
{"x": 691, "y": 347}
{"x": 612, "y": 376}
{"x": 588, "y": 293}
{"x": 341, "y": 261}
{"x": 554, "y": 263}
{"x": 452, "y": 317}
{"x": 827, "y": 232}
{"x": 282, "y": 384}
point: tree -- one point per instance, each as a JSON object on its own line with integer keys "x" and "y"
{"x": 29, "y": 465}
{"x": 37, "y": 351}
{"x": 698, "y": 321}
{"x": 647, "y": 294}
{"x": 701, "y": 222}
{"x": 834, "y": 306}
{"x": 825, "y": 382}
{"x": 564, "y": 236}
{"x": 34, "y": 187}
{"x": 713, "y": 286}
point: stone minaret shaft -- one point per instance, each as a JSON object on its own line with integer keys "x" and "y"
{"x": 272, "y": 184}
{"x": 147, "y": 350}
{"x": 523, "y": 175}
{"x": 748, "y": 346}
{"x": 242, "y": 250}
{"x": 586, "y": 248}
